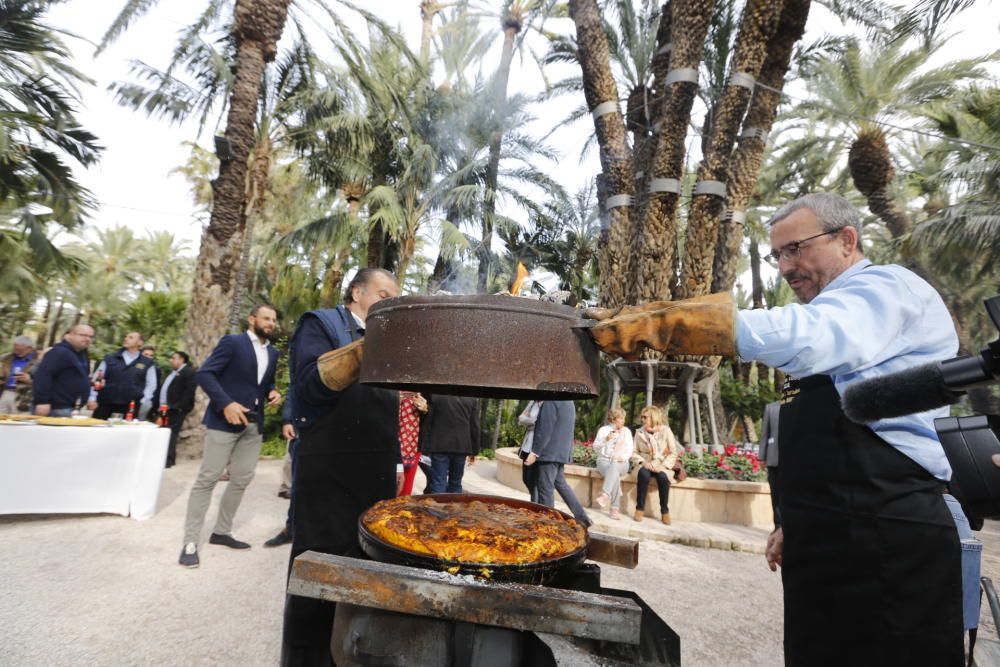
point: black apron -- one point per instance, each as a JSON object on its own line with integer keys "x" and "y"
{"x": 346, "y": 462}
{"x": 871, "y": 563}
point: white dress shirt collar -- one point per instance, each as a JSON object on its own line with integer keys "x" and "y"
{"x": 260, "y": 350}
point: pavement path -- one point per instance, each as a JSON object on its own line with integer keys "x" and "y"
{"x": 107, "y": 590}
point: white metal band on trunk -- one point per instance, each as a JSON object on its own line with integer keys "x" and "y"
{"x": 666, "y": 48}
{"x": 603, "y": 109}
{"x": 618, "y": 200}
{"x": 664, "y": 185}
{"x": 739, "y": 217}
{"x": 742, "y": 79}
{"x": 682, "y": 74}
{"x": 754, "y": 132}
{"x": 717, "y": 188}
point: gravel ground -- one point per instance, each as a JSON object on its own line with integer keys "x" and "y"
{"x": 106, "y": 590}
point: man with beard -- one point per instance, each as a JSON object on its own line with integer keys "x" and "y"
{"x": 239, "y": 379}
{"x": 869, "y": 552}
{"x": 348, "y": 454}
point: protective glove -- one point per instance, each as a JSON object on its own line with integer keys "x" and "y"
{"x": 704, "y": 325}
{"x": 339, "y": 368}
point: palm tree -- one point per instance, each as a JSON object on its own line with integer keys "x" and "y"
{"x": 601, "y": 93}
{"x": 514, "y": 17}
{"x": 39, "y": 137}
{"x": 255, "y": 30}
{"x": 759, "y": 22}
{"x": 853, "y": 93}
{"x": 748, "y": 157}
{"x": 969, "y": 224}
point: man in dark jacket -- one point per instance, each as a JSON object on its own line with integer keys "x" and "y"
{"x": 62, "y": 380}
{"x": 177, "y": 393}
{"x": 239, "y": 379}
{"x": 551, "y": 449}
{"x": 348, "y": 453}
{"x": 127, "y": 377}
{"x": 449, "y": 433}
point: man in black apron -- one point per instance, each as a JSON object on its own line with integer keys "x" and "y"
{"x": 347, "y": 454}
{"x": 870, "y": 556}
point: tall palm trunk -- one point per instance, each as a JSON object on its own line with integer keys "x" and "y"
{"x": 616, "y": 157}
{"x": 760, "y": 19}
{"x": 257, "y": 26}
{"x": 257, "y": 180}
{"x": 749, "y": 154}
{"x": 656, "y": 232}
{"x": 512, "y": 23}
{"x": 428, "y": 10}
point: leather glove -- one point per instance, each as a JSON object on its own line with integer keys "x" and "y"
{"x": 339, "y": 368}
{"x": 704, "y": 325}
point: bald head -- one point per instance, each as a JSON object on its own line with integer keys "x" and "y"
{"x": 80, "y": 337}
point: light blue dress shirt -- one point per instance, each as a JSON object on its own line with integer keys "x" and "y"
{"x": 869, "y": 321}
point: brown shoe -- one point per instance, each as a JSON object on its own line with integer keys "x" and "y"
{"x": 638, "y": 515}
{"x": 665, "y": 518}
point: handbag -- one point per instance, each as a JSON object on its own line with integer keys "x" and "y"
{"x": 680, "y": 474}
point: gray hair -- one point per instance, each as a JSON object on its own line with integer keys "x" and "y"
{"x": 24, "y": 340}
{"x": 832, "y": 211}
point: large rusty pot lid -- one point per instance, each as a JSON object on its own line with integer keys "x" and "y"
{"x": 491, "y": 346}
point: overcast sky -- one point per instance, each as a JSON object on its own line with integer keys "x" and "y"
{"x": 133, "y": 183}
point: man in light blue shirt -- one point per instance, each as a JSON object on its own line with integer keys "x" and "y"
{"x": 869, "y": 552}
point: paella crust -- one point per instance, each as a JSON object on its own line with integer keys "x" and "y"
{"x": 474, "y": 532}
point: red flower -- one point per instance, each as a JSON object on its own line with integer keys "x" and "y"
{"x": 730, "y": 450}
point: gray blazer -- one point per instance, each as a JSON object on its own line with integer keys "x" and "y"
{"x": 769, "y": 435}
{"x": 553, "y": 440}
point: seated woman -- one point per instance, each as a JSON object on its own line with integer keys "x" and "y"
{"x": 656, "y": 452}
{"x": 613, "y": 446}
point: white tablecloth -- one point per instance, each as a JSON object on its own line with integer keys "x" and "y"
{"x": 73, "y": 469}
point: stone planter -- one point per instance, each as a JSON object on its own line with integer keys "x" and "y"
{"x": 699, "y": 500}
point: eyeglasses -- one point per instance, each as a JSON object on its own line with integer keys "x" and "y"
{"x": 792, "y": 251}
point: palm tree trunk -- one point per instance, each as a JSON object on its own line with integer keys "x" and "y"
{"x": 428, "y": 10}
{"x": 257, "y": 180}
{"x": 749, "y": 154}
{"x": 760, "y": 19}
{"x": 257, "y": 27}
{"x": 872, "y": 172}
{"x": 511, "y": 28}
{"x": 656, "y": 231}
{"x": 616, "y": 157}
{"x": 757, "y": 284}
{"x": 54, "y": 330}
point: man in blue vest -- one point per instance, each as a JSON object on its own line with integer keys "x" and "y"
{"x": 348, "y": 453}
{"x": 128, "y": 377}
{"x": 239, "y": 379}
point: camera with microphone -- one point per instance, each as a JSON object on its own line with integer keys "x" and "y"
{"x": 969, "y": 442}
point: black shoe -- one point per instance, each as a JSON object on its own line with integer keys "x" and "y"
{"x": 227, "y": 541}
{"x": 189, "y": 555}
{"x": 287, "y": 495}
{"x": 282, "y": 538}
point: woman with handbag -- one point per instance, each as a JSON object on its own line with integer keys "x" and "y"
{"x": 613, "y": 446}
{"x": 657, "y": 453}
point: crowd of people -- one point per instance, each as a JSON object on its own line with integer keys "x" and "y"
{"x": 865, "y": 537}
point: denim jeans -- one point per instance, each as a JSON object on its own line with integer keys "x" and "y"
{"x": 446, "y": 473}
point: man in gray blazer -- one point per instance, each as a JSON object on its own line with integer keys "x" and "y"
{"x": 769, "y": 452}
{"x": 551, "y": 449}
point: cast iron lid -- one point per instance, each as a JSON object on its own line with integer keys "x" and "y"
{"x": 493, "y": 346}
